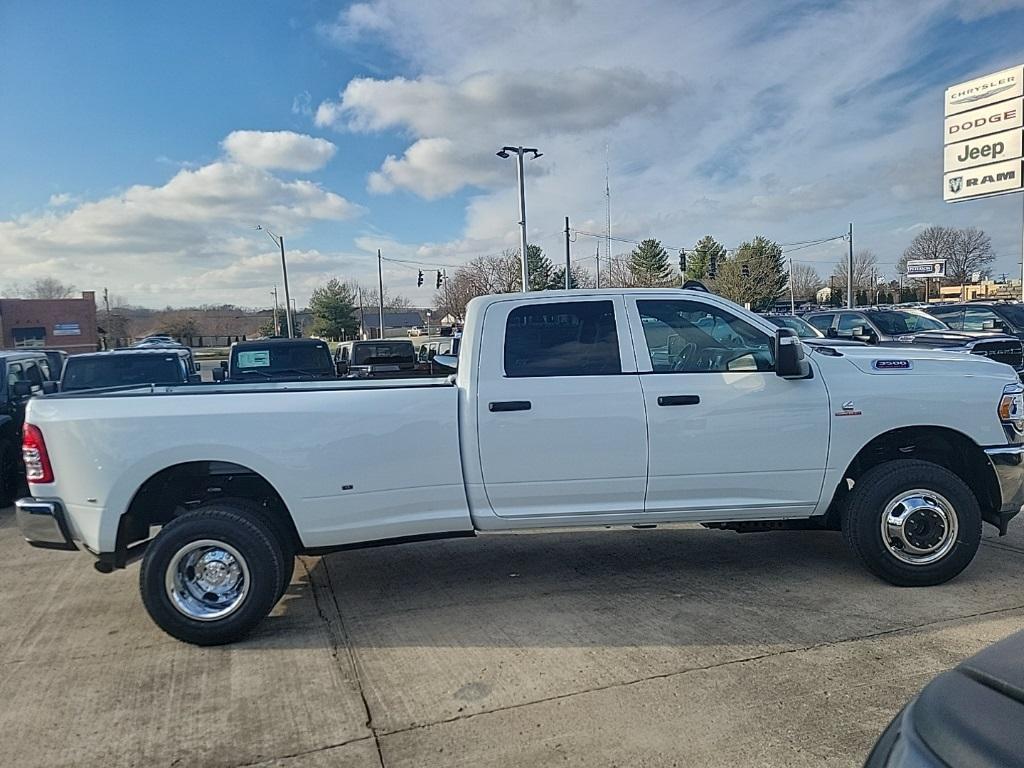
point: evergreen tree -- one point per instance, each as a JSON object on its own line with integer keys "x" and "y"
{"x": 334, "y": 310}
{"x": 650, "y": 265}
{"x": 542, "y": 273}
{"x": 703, "y": 260}
{"x": 761, "y": 282}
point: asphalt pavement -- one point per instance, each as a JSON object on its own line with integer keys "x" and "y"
{"x": 668, "y": 647}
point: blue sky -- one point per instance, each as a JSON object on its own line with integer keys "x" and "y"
{"x": 788, "y": 119}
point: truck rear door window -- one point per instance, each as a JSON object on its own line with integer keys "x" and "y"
{"x": 574, "y": 338}
{"x": 121, "y": 370}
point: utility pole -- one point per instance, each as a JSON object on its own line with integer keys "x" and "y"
{"x": 849, "y": 272}
{"x": 277, "y": 325}
{"x": 792, "y": 296}
{"x": 380, "y": 286}
{"x": 568, "y": 264}
{"x": 362, "y": 320}
{"x": 597, "y": 259}
{"x": 106, "y": 305}
{"x": 607, "y": 214}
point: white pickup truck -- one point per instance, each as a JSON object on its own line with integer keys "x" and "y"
{"x": 582, "y": 408}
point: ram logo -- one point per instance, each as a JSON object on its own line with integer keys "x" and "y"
{"x": 956, "y": 184}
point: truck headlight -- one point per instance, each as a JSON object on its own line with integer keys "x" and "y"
{"x": 1011, "y": 407}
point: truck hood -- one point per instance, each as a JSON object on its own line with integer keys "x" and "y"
{"x": 903, "y": 359}
{"x": 947, "y": 338}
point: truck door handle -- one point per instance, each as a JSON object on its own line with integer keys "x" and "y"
{"x": 509, "y": 405}
{"x": 678, "y": 399}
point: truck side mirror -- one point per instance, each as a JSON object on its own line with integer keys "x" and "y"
{"x": 219, "y": 374}
{"x": 830, "y": 332}
{"x": 50, "y": 387}
{"x": 194, "y": 378}
{"x": 789, "y": 355}
{"x": 21, "y": 389}
{"x": 224, "y": 364}
{"x": 342, "y": 367}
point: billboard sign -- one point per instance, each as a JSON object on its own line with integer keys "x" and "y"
{"x": 67, "y": 329}
{"x": 919, "y": 269}
{"x": 983, "y": 136}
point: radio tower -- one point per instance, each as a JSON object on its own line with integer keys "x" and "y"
{"x": 607, "y": 211}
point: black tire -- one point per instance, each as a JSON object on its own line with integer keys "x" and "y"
{"x": 282, "y": 537}
{"x": 249, "y": 536}
{"x": 863, "y": 513}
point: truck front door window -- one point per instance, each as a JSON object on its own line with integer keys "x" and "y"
{"x": 566, "y": 339}
{"x": 692, "y": 337}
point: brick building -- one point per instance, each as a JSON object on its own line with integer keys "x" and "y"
{"x": 68, "y": 324}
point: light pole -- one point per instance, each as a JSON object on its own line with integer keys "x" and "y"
{"x": 277, "y": 325}
{"x": 279, "y": 240}
{"x": 519, "y": 152}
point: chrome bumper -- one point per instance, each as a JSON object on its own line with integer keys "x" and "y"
{"x": 42, "y": 524}
{"x": 1008, "y": 463}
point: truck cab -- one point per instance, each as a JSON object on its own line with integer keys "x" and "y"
{"x": 276, "y": 359}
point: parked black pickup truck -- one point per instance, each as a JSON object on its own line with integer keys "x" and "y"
{"x": 275, "y": 359}
{"x": 896, "y": 327}
{"x": 24, "y": 374}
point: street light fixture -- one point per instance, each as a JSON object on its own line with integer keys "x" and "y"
{"x": 505, "y": 152}
{"x": 279, "y": 241}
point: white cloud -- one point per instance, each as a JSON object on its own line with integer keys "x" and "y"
{"x": 60, "y": 199}
{"x": 279, "y": 149}
{"x": 157, "y": 244}
{"x": 731, "y": 119}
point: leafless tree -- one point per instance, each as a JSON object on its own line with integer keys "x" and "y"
{"x": 865, "y": 272}
{"x": 392, "y": 302}
{"x": 806, "y": 281}
{"x": 49, "y": 288}
{"x": 966, "y": 251}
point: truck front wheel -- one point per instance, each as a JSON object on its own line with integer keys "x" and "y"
{"x": 912, "y": 523}
{"x": 210, "y": 576}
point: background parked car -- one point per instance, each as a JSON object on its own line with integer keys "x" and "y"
{"x": 1001, "y": 316}
{"x": 807, "y": 332}
{"x": 379, "y": 358}
{"x": 277, "y": 359}
{"x": 128, "y": 367}
{"x": 895, "y": 327}
{"x": 25, "y": 374}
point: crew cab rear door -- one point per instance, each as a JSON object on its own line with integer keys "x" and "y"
{"x": 560, "y": 412}
{"x": 729, "y": 440}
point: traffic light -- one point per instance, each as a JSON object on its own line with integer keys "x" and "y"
{"x": 438, "y": 279}
{"x": 745, "y": 270}
{"x": 419, "y": 280}
{"x": 713, "y": 267}
{"x": 682, "y": 261}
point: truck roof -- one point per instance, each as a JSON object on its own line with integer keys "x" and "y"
{"x": 275, "y": 340}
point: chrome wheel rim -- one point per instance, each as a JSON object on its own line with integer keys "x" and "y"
{"x": 919, "y": 527}
{"x": 207, "y": 580}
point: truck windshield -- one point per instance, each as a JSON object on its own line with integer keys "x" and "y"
{"x": 121, "y": 370}
{"x": 384, "y": 354}
{"x": 893, "y": 323}
{"x": 314, "y": 359}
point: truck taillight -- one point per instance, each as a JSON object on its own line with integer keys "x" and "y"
{"x": 37, "y": 460}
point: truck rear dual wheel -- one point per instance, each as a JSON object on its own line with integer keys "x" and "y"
{"x": 912, "y": 523}
{"x": 211, "y": 575}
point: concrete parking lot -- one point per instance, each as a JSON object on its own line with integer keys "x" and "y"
{"x": 664, "y": 647}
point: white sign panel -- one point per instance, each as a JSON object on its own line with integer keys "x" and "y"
{"x": 67, "y": 329}
{"x": 986, "y": 90}
{"x": 985, "y": 180}
{"x": 994, "y": 148}
{"x": 980, "y": 122}
{"x": 922, "y": 268}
